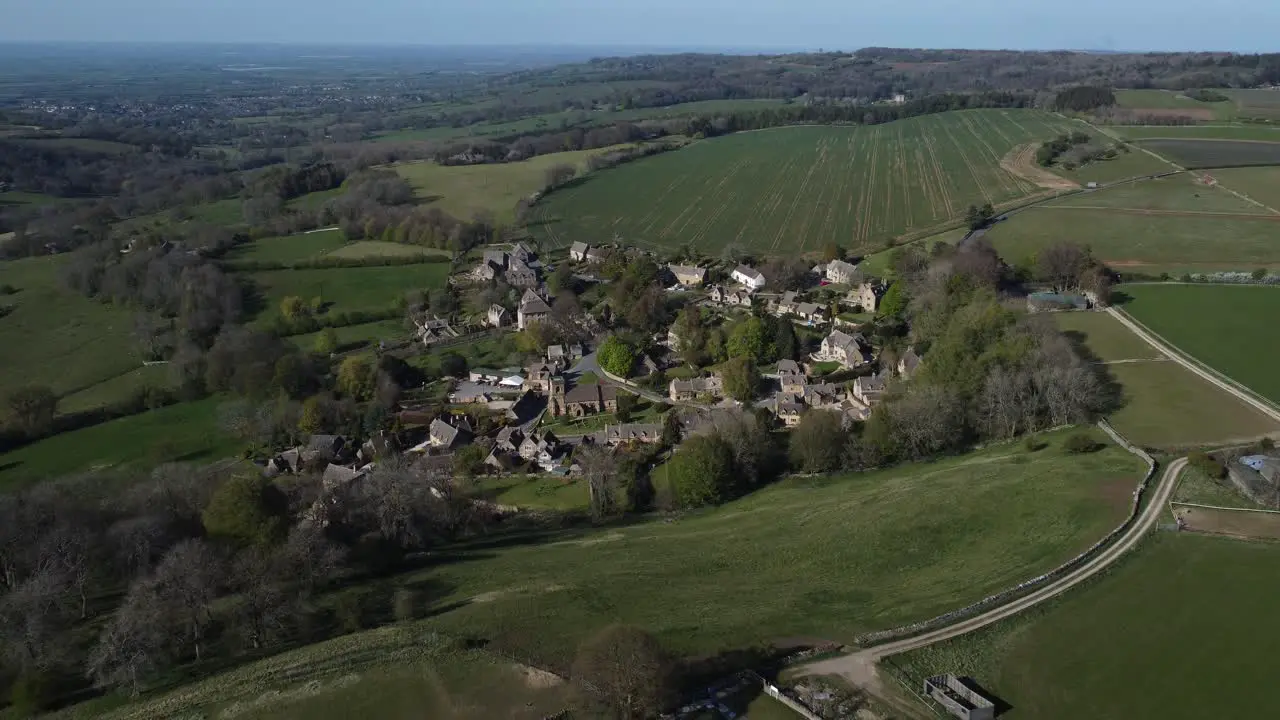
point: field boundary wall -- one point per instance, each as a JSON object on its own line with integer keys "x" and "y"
{"x": 772, "y": 691}
{"x": 1004, "y": 596}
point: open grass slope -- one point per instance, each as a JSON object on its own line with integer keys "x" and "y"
{"x": 1147, "y": 241}
{"x": 795, "y": 189}
{"x": 1122, "y": 167}
{"x": 290, "y": 248}
{"x": 1203, "y": 154}
{"x": 57, "y": 337}
{"x": 402, "y": 671}
{"x": 1257, "y": 103}
{"x": 1258, "y": 183}
{"x": 816, "y": 557}
{"x": 1229, "y": 328}
{"x": 346, "y": 289}
{"x": 1182, "y": 629}
{"x": 464, "y": 190}
{"x": 1162, "y": 404}
{"x": 1197, "y": 132}
{"x": 187, "y": 432}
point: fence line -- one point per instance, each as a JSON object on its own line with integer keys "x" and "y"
{"x": 772, "y": 691}
{"x": 1005, "y": 596}
{"x": 1216, "y": 507}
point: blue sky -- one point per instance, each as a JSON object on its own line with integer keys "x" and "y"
{"x": 1248, "y": 25}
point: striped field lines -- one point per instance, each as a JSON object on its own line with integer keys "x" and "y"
{"x": 793, "y": 190}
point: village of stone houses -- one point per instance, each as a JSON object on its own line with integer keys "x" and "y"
{"x": 610, "y": 351}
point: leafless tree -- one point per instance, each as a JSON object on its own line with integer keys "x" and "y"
{"x": 1063, "y": 264}
{"x": 34, "y": 619}
{"x": 310, "y": 557}
{"x": 186, "y": 581}
{"x": 132, "y": 644}
{"x": 600, "y": 469}
{"x": 265, "y": 605}
{"x": 928, "y": 420}
{"x": 622, "y": 673}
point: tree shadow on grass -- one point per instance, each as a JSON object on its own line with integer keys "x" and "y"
{"x": 1113, "y": 392}
{"x": 1120, "y": 297}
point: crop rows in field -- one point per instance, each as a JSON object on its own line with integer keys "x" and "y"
{"x": 797, "y": 189}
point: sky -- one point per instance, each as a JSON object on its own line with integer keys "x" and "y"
{"x": 1249, "y": 26}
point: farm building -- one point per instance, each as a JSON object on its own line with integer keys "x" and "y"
{"x": 1048, "y": 302}
{"x": 866, "y": 296}
{"x": 578, "y": 251}
{"x": 958, "y": 699}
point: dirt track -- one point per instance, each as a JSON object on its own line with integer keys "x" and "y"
{"x": 860, "y": 667}
{"x": 1021, "y": 161}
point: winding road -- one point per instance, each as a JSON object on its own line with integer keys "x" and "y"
{"x": 860, "y": 667}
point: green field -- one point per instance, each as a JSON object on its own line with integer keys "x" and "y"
{"x": 377, "y": 248}
{"x": 187, "y": 433}
{"x": 1196, "y": 487}
{"x": 357, "y": 335}
{"x": 346, "y": 289}
{"x": 464, "y": 190}
{"x": 1162, "y": 404}
{"x": 796, "y": 189}
{"x": 401, "y": 671}
{"x": 1257, "y": 103}
{"x": 1144, "y": 240}
{"x": 813, "y": 557}
{"x": 105, "y": 147}
{"x": 1197, "y": 132}
{"x": 1122, "y": 167}
{"x": 117, "y": 389}
{"x": 57, "y": 337}
{"x": 1200, "y": 154}
{"x": 1259, "y": 183}
{"x": 1173, "y": 100}
{"x": 1229, "y": 328}
{"x": 15, "y": 197}
{"x": 290, "y": 248}
{"x": 1182, "y": 192}
{"x": 1181, "y": 629}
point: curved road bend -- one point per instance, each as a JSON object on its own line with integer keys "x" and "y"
{"x": 860, "y": 667}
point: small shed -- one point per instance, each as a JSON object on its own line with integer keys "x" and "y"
{"x": 958, "y": 698}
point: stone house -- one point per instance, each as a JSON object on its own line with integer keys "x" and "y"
{"x": 447, "y": 437}
{"x": 688, "y": 276}
{"x": 538, "y": 377}
{"x": 434, "y": 329}
{"x": 578, "y": 251}
{"x": 533, "y": 308}
{"x": 694, "y": 388}
{"x": 908, "y": 363}
{"x": 868, "y": 390}
{"x": 843, "y": 348}
{"x": 841, "y": 272}
{"x": 520, "y": 275}
{"x": 789, "y": 412}
{"x": 866, "y": 296}
{"x": 614, "y": 435}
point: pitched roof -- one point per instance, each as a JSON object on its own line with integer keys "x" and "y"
{"x": 870, "y": 383}
{"x": 788, "y": 367}
{"x": 631, "y": 431}
{"x": 590, "y": 394}
{"x": 842, "y": 340}
{"x": 840, "y": 267}
{"x": 750, "y": 272}
{"x": 687, "y": 270}
{"x": 578, "y": 247}
{"x": 533, "y": 304}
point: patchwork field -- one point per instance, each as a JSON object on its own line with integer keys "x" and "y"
{"x": 797, "y": 189}
{"x": 1179, "y": 630}
{"x": 1215, "y": 153}
{"x": 816, "y": 557}
{"x": 1229, "y": 328}
{"x": 1147, "y": 241}
{"x": 464, "y": 190}
{"x": 1122, "y": 167}
{"x": 1161, "y": 403}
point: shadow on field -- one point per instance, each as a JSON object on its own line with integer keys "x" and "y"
{"x": 1113, "y": 393}
{"x": 1002, "y": 707}
{"x": 1120, "y": 297}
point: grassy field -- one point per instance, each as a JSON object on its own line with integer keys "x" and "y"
{"x": 797, "y": 189}
{"x": 1181, "y": 629}
{"x": 1225, "y": 327}
{"x": 1144, "y": 241}
{"x": 1173, "y": 100}
{"x": 464, "y": 190}
{"x": 1260, "y": 183}
{"x": 538, "y": 492}
{"x": 1163, "y": 405}
{"x": 377, "y": 248}
{"x": 187, "y": 432}
{"x": 815, "y": 557}
{"x": 57, "y": 337}
{"x": 397, "y": 672}
{"x": 117, "y": 388}
{"x": 1196, "y": 487}
{"x": 877, "y": 264}
{"x": 105, "y": 147}
{"x": 1201, "y": 154}
{"x": 290, "y": 248}
{"x": 357, "y": 335}
{"x": 1257, "y": 103}
{"x": 1183, "y": 193}
{"x": 1197, "y": 132}
{"x": 346, "y": 289}
{"x": 1124, "y": 166}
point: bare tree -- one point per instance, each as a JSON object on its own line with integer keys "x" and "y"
{"x": 600, "y": 469}
{"x": 186, "y": 582}
{"x": 265, "y": 605}
{"x": 928, "y": 420}
{"x": 310, "y": 557}
{"x": 1063, "y": 264}
{"x": 132, "y": 643}
{"x": 34, "y": 619}
{"x": 622, "y": 673}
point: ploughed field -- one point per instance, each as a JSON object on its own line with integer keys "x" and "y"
{"x": 798, "y": 189}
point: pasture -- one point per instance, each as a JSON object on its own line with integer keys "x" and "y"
{"x": 1259, "y": 183}
{"x": 289, "y": 248}
{"x": 57, "y": 337}
{"x": 1160, "y": 403}
{"x": 346, "y": 289}
{"x": 790, "y": 190}
{"x": 1122, "y": 167}
{"x": 1203, "y": 154}
{"x": 1261, "y": 133}
{"x": 355, "y": 336}
{"x": 398, "y": 671}
{"x": 1257, "y": 103}
{"x": 187, "y": 432}
{"x": 1181, "y": 629}
{"x": 1171, "y": 102}
{"x": 1143, "y": 240}
{"x": 1183, "y": 192}
{"x": 464, "y": 190}
{"x": 1229, "y": 328}
{"x": 824, "y": 557}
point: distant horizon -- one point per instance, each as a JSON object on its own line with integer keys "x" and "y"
{"x": 754, "y": 25}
